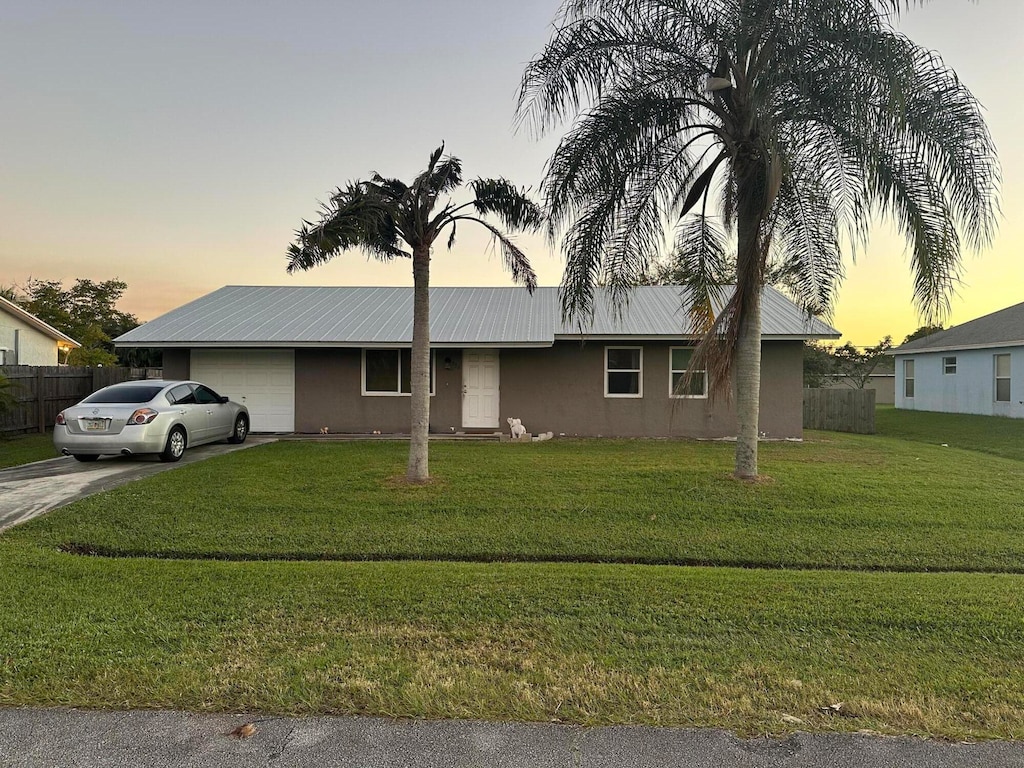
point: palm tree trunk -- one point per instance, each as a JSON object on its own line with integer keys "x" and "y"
{"x": 747, "y": 366}
{"x": 418, "y": 470}
{"x": 751, "y": 195}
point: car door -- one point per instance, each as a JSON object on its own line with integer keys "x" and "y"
{"x": 220, "y": 416}
{"x": 192, "y": 414}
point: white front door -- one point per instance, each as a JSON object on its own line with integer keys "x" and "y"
{"x": 480, "y": 388}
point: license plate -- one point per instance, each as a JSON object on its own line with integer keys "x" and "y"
{"x": 95, "y": 425}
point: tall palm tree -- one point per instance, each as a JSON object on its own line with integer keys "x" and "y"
{"x": 778, "y": 128}
{"x": 381, "y": 215}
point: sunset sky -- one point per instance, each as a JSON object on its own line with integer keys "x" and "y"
{"x": 177, "y": 146}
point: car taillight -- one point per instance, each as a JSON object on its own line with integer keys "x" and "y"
{"x": 60, "y": 419}
{"x": 143, "y": 416}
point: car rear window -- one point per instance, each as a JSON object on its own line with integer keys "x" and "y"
{"x": 137, "y": 393}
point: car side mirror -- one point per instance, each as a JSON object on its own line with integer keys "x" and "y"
{"x": 224, "y": 399}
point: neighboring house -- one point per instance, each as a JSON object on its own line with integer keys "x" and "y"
{"x": 27, "y": 340}
{"x": 977, "y": 367}
{"x": 302, "y": 358}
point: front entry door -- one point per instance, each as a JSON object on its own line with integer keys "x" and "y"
{"x": 480, "y": 388}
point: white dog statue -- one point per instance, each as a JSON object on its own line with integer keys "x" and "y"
{"x": 516, "y": 425}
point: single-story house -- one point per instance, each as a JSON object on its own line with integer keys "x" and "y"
{"x": 303, "y": 358}
{"x": 27, "y": 340}
{"x": 976, "y": 367}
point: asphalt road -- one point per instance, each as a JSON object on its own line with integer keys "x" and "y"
{"x": 32, "y": 489}
{"x": 52, "y": 738}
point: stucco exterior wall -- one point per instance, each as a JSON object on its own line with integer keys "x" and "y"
{"x": 559, "y": 389}
{"x": 970, "y": 390}
{"x": 34, "y": 347}
{"x": 177, "y": 364}
{"x": 328, "y": 386}
{"x": 562, "y": 390}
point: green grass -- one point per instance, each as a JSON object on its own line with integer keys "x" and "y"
{"x": 584, "y": 642}
{"x": 595, "y": 644}
{"x": 987, "y": 434}
{"x": 26, "y": 449}
{"x": 837, "y": 502}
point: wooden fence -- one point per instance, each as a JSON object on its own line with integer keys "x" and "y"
{"x": 840, "y": 410}
{"x": 41, "y": 392}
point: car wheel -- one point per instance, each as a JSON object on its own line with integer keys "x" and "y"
{"x": 175, "y": 446}
{"x": 86, "y": 456}
{"x": 241, "y": 430}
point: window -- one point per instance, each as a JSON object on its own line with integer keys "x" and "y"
{"x": 908, "y": 378}
{"x": 181, "y": 395}
{"x": 389, "y": 372}
{"x": 949, "y": 365}
{"x": 679, "y": 364}
{"x": 206, "y": 396}
{"x": 623, "y": 367}
{"x": 1002, "y": 367}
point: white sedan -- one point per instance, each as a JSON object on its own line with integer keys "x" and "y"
{"x": 161, "y": 417}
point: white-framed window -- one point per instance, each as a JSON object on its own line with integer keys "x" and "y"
{"x": 949, "y": 365}
{"x": 679, "y": 365}
{"x": 908, "y": 378}
{"x": 623, "y": 371}
{"x": 1001, "y": 365}
{"x": 388, "y": 372}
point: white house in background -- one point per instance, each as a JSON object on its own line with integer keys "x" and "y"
{"x": 27, "y": 340}
{"x": 977, "y": 367}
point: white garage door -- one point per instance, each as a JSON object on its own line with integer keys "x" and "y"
{"x": 263, "y": 380}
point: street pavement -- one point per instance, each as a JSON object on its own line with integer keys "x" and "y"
{"x": 30, "y": 490}
{"x": 54, "y": 738}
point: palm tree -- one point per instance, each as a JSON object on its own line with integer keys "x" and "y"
{"x": 380, "y": 215}
{"x": 778, "y": 128}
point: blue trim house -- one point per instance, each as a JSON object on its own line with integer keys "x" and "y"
{"x": 976, "y": 367}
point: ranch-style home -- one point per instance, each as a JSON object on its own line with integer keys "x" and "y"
{"x": 976, "y": 367}
{"x": 27, "y": 340}
{"x": 304, "y": 358}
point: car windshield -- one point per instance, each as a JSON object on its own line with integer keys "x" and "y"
{"x": 136, "y": 393}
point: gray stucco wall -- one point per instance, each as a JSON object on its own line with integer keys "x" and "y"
{"x": 562, "y": 390}
{"x": 176, "y": 363}
{"x": 328, "y": 383}
{"x": 559, "y": 389}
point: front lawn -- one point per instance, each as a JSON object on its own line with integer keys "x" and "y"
{"x": 836, "y": 502}
{"x": 754, "y": 649}
{"x": 25, "y": 449}
{"x": 988, "y": 434}
{"x": 934, "y": 654}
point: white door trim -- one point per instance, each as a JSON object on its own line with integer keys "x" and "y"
{"x": 481, "y": 386}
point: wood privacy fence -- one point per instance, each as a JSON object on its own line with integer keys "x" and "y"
{"x": 840, "y": 410}
{"x": 41, "y": 392}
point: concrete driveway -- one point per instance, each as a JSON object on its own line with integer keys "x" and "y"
{"x": 32, "y": 489}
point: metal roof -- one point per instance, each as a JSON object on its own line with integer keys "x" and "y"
{"x": 1004, "y": 328}
{"x": 358, "y": 317}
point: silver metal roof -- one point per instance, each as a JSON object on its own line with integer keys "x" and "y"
{"x": 357, "y": 317}
{"x": 1004, "y": 328}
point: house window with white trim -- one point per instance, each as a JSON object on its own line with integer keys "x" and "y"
{"x": 948, "y": 366}
{"x": 679, "y": 365}
{"x": 908, "y": 378}
{"x": 1002, "y": 371}
{"x": 623, "y": 372}
{"x": 389, "y": 372}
